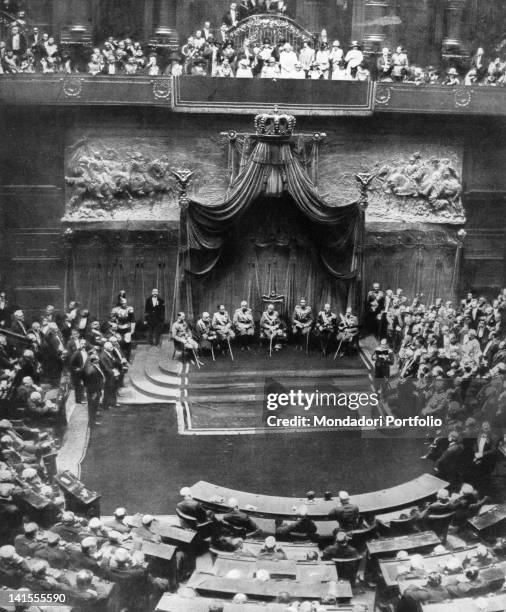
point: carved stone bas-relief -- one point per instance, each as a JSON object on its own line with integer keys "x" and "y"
{"x": 410, "y": 185}
{"x": 124, "y": 179}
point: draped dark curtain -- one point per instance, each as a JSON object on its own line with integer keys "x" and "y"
{"x": 425, "y": 262}
{"x": 273, "y": 226}
{"x": 271, "y": 250}
{"x": 96, "y": 275}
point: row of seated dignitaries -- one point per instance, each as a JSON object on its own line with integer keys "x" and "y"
{"x": 217, "y": 331}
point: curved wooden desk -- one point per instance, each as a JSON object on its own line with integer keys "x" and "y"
{"x": 412, "y": 492}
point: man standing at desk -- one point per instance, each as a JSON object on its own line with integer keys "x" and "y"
{"x": 346, "y": 514}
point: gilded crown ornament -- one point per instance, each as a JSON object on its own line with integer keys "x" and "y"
{"x": 274, "y": 124}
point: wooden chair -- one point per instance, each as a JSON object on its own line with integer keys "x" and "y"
{"x": 347, "y": 569}
{"x": 439, "y": 524}
{"x": 403, "y": 526}
{"x": 179, "y": 348}
{"x": 360, "y": 536}
{"x": 187, "y": 520}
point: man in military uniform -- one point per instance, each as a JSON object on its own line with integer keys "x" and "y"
{"x": 347, "y": 335}
{"x": 181, "y": 334}
{"x": 271, "y": 327}
{"x": 375, "y": 302}
{"x": 347, "y": 514}
{"x": 207, "y": 336}
{"x": 325, "y": 326}
{"x": 383, "y": 358}
{"x": 123, "y": 315}
{"x": 340, "y": 549}
{"x": 302, "y": 322}
{"x": 244, "y": 325}
{"x": 222, "y": 325}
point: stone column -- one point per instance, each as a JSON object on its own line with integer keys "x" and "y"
{"x": 375, "y": 12}
{"x": 165, "y": 34}
{"x": 78, "y": 16}
{"x": 453, "y": 44}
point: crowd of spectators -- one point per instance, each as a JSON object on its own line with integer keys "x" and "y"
{"x": 450, "y": 362}
{"x": 211, "y": 52}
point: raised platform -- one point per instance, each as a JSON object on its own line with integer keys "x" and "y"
{"x": 229, "y": 397}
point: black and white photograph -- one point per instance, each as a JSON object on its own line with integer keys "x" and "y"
{"x": 253, "y": 306}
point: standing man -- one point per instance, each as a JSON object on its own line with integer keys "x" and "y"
{"x": 77, "y": 364}
{"x": 154, "y": 315}
{"x": 383, "y": 358}
{"x": 111, "y": 372}
{"x": 123, "y": 315}
{"x": 244, "y": 325}
{"x": 94, "y": 382}
{"x": 5, "y": 311}
{"x": 302, "y": 321}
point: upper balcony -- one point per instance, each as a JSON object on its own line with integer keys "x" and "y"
{"x": 194, "y": 94}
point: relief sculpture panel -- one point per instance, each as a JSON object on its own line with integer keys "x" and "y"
{"x": 412, "y": 183}
{"x": 123, "y": 178}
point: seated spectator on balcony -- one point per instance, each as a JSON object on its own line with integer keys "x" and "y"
{"x": 400, "y": 64}
{"x": 270, "y": 69}
{"x": 306, "y": 56}
{"x": 480, "y": 64}
{"x": 287, "y": 61}
{"x": 96, "y": 63}
{"x": 452, "y": 78}
{"x": 353, "y": 59}
{"x": 323, "y": 60}
{"x": 362, "y": 73}
{"x": 336, "y": 59}
{"x": 244, "y": 70}
{"x": 51, "y": 48}
{"x": 224, "y": 69}
{"x": 152, "y": 65}
{"x": 384, "y": 65}
{"x": 10, "y": 63}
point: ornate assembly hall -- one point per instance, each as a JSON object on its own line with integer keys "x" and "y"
{"x": 252, "y": 329}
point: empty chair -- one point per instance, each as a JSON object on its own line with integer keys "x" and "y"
{"x": 347, "y": 569}
{"x": 439, "y": 524}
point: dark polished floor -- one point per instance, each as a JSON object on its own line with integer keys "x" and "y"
{"x": 137, "y": 459}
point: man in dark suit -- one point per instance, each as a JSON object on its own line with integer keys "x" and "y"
{"x": 109, "y": 366}
{"x": 232, "y": 16}
{"x": 486, "y": 452}
{"x": 5, "y": 310}
{"x": 18, "y": 324}
{"x": 77, "y": 363}
{"x": 94, "y": 382}
{"x": 154, "y": 314}
{"x": 16, "y": 41}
